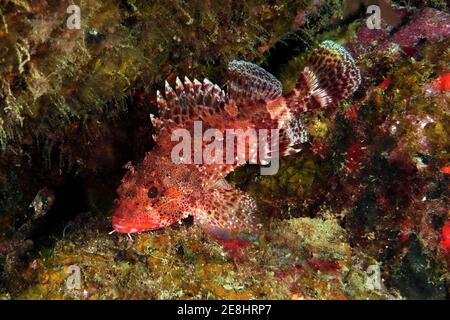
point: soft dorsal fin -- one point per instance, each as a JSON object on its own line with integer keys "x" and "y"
{"x": 247, "y": 81}
{"x": 330, "y": 76}
{"x": 188, "y": 102}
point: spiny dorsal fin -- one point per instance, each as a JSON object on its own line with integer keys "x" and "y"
{"x": 330, "y": 76}
{"x": 247, "y": 81}
{"x": 189, "y": 101}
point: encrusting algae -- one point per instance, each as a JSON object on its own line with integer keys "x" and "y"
{"x": 184, "y": 262}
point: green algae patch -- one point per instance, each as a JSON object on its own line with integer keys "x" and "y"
{"x": 324, "y": 239}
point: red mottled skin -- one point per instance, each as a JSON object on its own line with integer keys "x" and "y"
{"x": 159, "y": 192}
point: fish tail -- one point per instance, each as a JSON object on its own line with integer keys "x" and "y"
{"x": 329, "y": 77}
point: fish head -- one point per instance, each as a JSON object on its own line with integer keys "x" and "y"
{"x": 147, "y": 202}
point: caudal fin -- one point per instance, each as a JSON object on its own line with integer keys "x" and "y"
{"x": 330, "y": 76}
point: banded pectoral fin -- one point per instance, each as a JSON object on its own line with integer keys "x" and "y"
{"x": 226, "y": 212}
{"x": 291, "y": 136}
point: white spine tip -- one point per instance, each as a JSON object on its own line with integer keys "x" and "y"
{"x": 187, "y": 82}
{"x": 179, "y": 85}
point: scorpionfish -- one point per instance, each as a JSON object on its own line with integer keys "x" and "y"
{"x": 159, "y": 192}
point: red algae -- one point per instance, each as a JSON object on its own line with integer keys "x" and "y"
{"x": 356, "y": 156}
{"x": 326, "y": 266}
{"x": 446, "y": 169}
{"x": 235, "y": 248}
{"x": 443, "y": 83}
{"x": 425, "y": 23}
{"x": 385, "y": 84}
{"x": 445, "y": 241}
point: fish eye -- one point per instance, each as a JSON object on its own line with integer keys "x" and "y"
{"x": 152, "y": 192}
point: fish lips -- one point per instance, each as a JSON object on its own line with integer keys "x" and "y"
{"x": 125, "y": 226}
{"x": 130, "y": 218}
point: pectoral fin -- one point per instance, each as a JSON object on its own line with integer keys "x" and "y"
{"x": 227, "y": 211}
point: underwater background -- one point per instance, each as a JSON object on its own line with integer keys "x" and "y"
{"x": 367, "y": 195}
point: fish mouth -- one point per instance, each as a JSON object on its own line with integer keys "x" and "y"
{"x": 124, "y": 229}
{"x": 123, "y": 226}
{"x": 130, "y": 217}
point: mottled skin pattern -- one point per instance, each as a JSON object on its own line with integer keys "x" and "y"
{"x": 159, "y": 192}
